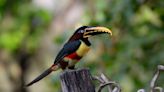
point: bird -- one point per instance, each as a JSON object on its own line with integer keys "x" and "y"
{"x": 73, "y": 50}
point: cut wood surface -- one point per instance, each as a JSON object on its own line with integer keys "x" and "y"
{"x": 77, "y": 81}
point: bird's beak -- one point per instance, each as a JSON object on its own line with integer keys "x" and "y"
{"x": 91, "y": 31}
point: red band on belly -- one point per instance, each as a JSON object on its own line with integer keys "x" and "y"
{"x": 74, "y": 56}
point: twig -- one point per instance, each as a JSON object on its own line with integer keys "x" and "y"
{"x": 109, "y": 83}
{"x": 141, "y": 90}
{"x": 153, "y": 87}
{"x": 154, "y": 80}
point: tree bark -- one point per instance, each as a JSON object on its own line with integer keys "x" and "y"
{"x": 77, "y": 81}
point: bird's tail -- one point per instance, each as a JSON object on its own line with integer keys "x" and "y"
{"x": 44, "y": 74}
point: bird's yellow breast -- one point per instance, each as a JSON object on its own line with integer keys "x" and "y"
{"x": 83, "y": 49}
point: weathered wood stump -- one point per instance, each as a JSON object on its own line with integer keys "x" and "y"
{"x": 77, "y": 81}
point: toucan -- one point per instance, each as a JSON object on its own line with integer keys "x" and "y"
{"x": 73, "y": 50}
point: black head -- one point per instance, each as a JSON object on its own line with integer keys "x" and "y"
{"x": 85, "y": 32}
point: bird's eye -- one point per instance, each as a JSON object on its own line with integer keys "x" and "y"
{"x": 81, "y": 31}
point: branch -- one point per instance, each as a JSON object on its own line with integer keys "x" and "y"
{"x": 154, "y": 79}
{"x": 153, "y": 87}
{"x": 112, "y": 85}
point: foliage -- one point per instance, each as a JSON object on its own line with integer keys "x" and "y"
{"x": 129, "y": 57}
{"x": 137, "y": 45}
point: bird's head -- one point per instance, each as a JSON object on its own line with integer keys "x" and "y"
{"x": 85, "y": 32}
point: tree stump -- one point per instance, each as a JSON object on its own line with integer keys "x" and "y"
{"x": 77, "y": 81}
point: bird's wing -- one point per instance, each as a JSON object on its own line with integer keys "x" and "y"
{"x": 67, "y": 49}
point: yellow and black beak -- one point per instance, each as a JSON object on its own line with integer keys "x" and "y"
{"x": 91, "y": 31}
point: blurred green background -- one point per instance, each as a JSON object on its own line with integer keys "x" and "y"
{"x": 33, "y": 31}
